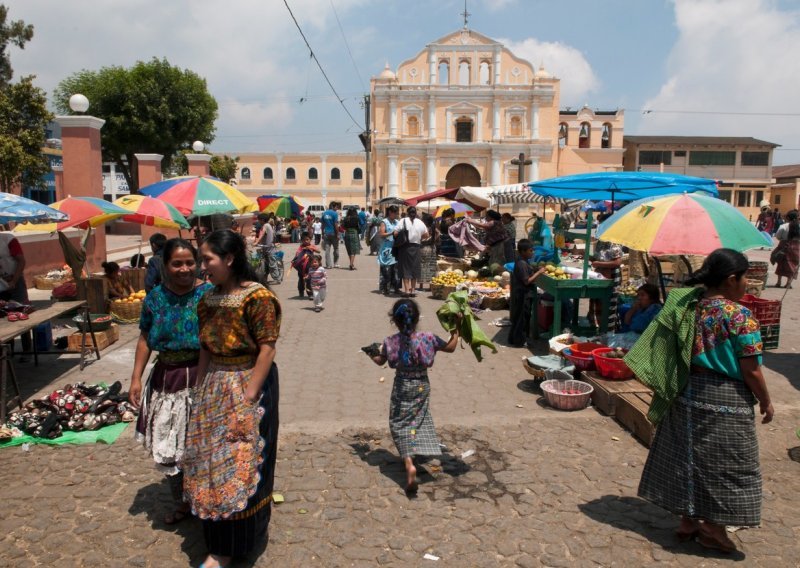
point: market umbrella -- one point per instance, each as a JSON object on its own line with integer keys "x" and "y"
{"x": 16, "y": 208}
{"x": 280, "y": 205}
{"x": 682, "y": 224}
{"x": 461, "y": 209}
{"x": 621, "y": 186}
{"x": 200, "y": 196}
{"x": 151, "y": 211}
{"x": 83, "y": 212}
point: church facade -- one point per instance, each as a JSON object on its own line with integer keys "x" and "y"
{"x": 455, "y": 114}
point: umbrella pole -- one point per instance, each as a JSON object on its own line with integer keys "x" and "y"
{"x": 587, "y": 247}
{"x": 661, "y": 278}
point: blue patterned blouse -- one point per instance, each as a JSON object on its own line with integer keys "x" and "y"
{"x": 170, "y": 321}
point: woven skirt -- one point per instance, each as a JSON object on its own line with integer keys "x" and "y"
{"x": 410, "y": 262}
{"x": 410, "y": 420}
{"x": 352, "y": 242}
{"x": 704, "y": 460}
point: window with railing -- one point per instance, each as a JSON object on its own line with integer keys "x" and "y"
{"x": 755, "y": 158}
{"x": 712, "y": 158}
{"x": 655, "y": 157}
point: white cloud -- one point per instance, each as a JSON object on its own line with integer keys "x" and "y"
{"x": 567, "y": 63}
{"x": 731, "y": 56}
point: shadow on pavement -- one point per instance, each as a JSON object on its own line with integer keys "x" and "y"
{"x": 154, "y": 501}
{"x": 639, "y": 516}
{"x": 784, "y": 364}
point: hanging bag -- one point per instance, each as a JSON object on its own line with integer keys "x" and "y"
{"x": 400, "y": 239}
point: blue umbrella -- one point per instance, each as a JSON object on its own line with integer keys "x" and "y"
{"x": 623, "y": 186}
{"x": 16, "y": 208}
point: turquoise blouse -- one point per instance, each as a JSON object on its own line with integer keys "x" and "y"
{"x": 170, "y": 321}
{"x": 725, "y": 332}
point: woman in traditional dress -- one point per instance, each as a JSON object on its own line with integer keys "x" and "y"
{"x": 427, "y": 252}
{"x": 607, "y": 261}
{"x": 409, "y": 257}
{"x": 411, "y": 353}
{"x": 447, "y": 246}
{"x": 168, "y": 325}
{"x": 352, "y": 235}
{"x": 787, "y": 254}
{"x": 389, "y": 271}
{"x": 703, "y": 464}
{"x": 496, "y": 236}
{"x": 229, "y": 463}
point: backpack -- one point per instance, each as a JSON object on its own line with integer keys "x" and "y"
{"x": 301, "y": 260}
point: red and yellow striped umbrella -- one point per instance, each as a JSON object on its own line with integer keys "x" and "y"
{"x": 151, "y": 211}
{"x": 83, "y": 212}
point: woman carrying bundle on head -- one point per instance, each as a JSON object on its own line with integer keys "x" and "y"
{"x": 411, "y": 353}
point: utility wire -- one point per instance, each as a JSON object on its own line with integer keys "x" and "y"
{"x": 649, "y": 111}
{"x": 350, "y": 53}
{"x": 314, "y": 56}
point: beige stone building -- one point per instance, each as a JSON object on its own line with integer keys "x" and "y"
{"x": 742, "y": 166}
{"x": 785, "y": 194}
{"x": 455, "y": 114}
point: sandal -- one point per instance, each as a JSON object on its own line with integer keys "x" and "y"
{"x": 712, "y": 542}
{"x": 13, "y": 316}
{"x": 22, "y": 316}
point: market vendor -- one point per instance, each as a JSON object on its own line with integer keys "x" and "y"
{"x": 495, "y": 236}
{"x": 644, "y": 309}
{"x": 523, "y": 292}
{"x": 535, "y": 234}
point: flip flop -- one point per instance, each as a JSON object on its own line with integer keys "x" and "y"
{"x": 22, "y": 316}
{"x": 13, "y": 316}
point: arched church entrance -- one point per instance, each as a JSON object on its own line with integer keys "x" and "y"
{"x": 462, "y": 174}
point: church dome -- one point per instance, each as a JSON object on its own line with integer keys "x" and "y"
{"x": 387, "y": 73}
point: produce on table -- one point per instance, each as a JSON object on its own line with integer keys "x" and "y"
{"x": 472, "y": 274}
{"x": 555, "y": 272}
{"x": 617, "y": 353}
{"x": 448, "y": 278}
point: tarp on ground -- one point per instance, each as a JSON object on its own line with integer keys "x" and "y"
{"x": 105, "y": 435}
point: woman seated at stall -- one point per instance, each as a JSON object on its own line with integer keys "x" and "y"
{"x": 117, "y": 288}
{"x": 644, "y": 309}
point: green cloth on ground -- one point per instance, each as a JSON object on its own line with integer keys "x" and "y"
{"x": 106, "y": 435}
{"x": 662, "y": 356}
{"x": 468, "y": 329}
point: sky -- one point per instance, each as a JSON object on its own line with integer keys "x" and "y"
{"x": 677, "y": 67}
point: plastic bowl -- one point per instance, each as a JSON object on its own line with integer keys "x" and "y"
{"x": 100, "y": 322}
{"x": 585, "y": 348}
{"x": 610, "y": 367}
{"x": 582, "y": 361}
{"x": 577, "y": 396}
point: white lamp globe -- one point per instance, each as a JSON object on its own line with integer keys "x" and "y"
{"x": 78, "y": 103}
{"x": 198, "y": 146}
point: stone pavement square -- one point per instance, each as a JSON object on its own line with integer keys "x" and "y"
{"x": 543, "y": 488}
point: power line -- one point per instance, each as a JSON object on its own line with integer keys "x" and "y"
{"x": 313, "y": 55}
{"x": 720, "y": 112}
{"x": 360, "y": 80}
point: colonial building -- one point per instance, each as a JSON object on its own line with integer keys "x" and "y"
{"x": 455, "y": 114}
{"x": 741, "y": 165}
{"x": 785, "y": 194}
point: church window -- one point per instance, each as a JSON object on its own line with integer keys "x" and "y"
{"x": 605, "y": 138}
{"x": 336, "y": 174}
{"x": 485, "y": 73}
{"x": 412, "y": 180}
{"x": 312, "y": 173}
{"x": 464, "y": 130}
{"x": 515, "y": 126}
{"x": 267, "y": 173}
{"x": 563, "y": 134}
{"x": 358, "y": 174}
{"x": 290, "y": 173}
{"x": 245, "y": 173}
{"x": 444, "y": 72}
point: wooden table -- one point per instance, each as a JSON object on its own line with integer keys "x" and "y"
{"x": 572, "y": 290}
{"x": 10, "y": 330}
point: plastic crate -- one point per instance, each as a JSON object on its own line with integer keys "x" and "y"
{"x": 767, "y": 312}
{"x": 770, "y": 336}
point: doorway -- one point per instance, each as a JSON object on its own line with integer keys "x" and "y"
{"x": 462, "y": 174}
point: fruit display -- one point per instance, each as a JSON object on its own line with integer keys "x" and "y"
{"x": 448, "y": 278}
{"x": 132, "y": 299}
{"x": 555, "y": 272}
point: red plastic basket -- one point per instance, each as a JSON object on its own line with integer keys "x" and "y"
{"x": 585, "y": 348}
{"x": 609, "y": 367}
{"x": 582, "y": 361}
{"x": 767, "y": 312}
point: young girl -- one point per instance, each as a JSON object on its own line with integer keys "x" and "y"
{"x": 301, "y": 263}
{"x": 116, "y": 287}
{"x": 318, "y": 282}
{"x": 231, "y": 443}
{"x": 411, "y": 353}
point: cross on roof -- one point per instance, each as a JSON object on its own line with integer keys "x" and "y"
{"x": 466, "y": 15}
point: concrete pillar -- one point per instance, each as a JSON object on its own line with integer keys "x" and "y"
{"x": 533, "y": 173}
{"x": 58, "y": 177}
{"x": 199, "y": 165}
{"x": 83, "y": 172}
{"x": 534, "y": 121}
{"x": 149, "y": 171}
{"x": 430, "y": 174}
{"x": 432, "y": 70}
{"x": 496, "y": 120}
{"x": 431, "y": 119}
{"x": 494, "y": 178}
{"x": 392, "y": 120}
{"x": 394, "y": 186}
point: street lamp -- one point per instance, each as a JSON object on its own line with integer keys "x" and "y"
{"x": 78, "y": 103}
{"x": 198, "y": 146}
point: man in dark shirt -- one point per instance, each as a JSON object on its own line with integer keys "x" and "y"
{"x": 152, "y": 276}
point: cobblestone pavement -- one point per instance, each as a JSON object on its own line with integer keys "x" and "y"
{"x": 543, "y": 488}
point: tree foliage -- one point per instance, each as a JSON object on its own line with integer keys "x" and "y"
{"x": 17, "y": 33}
{"x": 151, "y": 108}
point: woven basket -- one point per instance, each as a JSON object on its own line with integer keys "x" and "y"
{"x": 126, "y": 312}
{"x": 533, "y": 371}
{"x": 555, "y": 398}
{"x": 44, "y": 283}
{"x": 754, "y": 287}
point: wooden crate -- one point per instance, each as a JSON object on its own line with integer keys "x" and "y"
{"x": 134, "y": 277}
{"x": 104, "y": 339}
{"x": 606, "y": 392}
{"x": 631, "y": 412}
